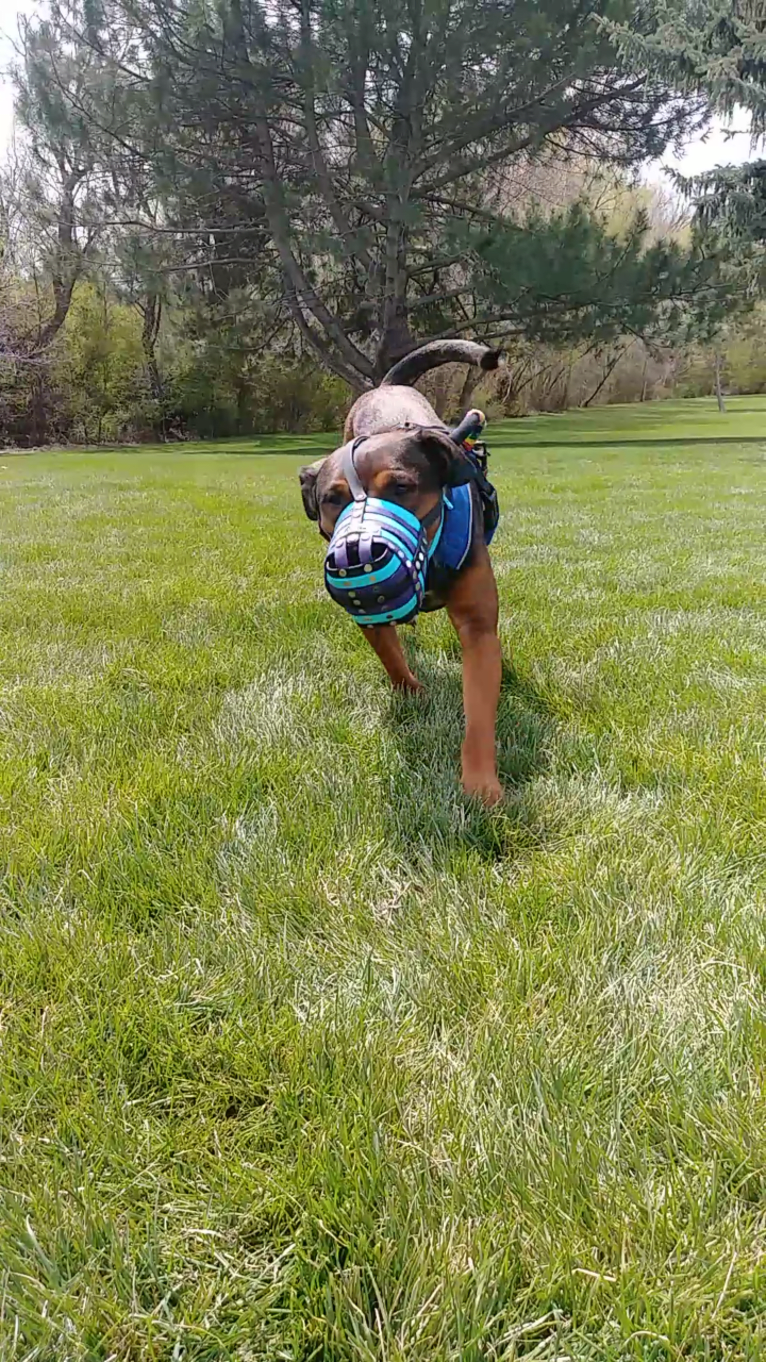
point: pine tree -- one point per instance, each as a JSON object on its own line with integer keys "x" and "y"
{"x": 714, "y": 49}
{"x": 333, "y": 159}
{"x": 56, "y": 182}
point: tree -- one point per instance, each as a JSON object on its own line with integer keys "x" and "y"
{"x": 333, "y": 157}
{"x": 28, "y": 393}
{"x": 53, "y": 181}
{"x": 99, "y": 364}
{"x": 717, "y": 49}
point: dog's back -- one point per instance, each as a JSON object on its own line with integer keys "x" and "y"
{"x": 395, "y": 404}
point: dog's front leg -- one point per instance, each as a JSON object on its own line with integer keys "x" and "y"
{"x": 385, "y": 640}
{"x": 473, "y": 609}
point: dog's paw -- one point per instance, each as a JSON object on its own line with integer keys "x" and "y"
{"x": 486, "y": 789}
{"x": 409, "y": 685}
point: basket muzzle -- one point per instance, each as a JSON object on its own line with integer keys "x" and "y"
{"x": 377, "y": 560}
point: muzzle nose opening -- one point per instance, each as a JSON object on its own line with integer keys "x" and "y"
{"x": 379, "y": 551}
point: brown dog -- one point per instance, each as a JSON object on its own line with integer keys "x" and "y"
{"x": 406, "y": 458}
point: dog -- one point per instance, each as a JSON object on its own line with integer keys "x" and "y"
{"x": 386, "y": 502}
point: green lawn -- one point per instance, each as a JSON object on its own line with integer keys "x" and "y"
{"x": 300, "y": 1056}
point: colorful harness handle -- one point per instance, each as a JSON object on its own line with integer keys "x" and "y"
{"x": 470, "y": 430}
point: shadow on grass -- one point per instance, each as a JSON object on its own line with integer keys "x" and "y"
{"x": 261, "y": 447}
{"x": 428, "y": 809}
{"x": 740, "y": 407}
{"x": 578, "y": 440}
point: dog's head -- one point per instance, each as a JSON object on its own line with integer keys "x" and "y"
{"x": 410, "y": 468}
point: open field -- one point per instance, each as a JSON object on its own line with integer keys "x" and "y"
{"x": 300, "y": 1056}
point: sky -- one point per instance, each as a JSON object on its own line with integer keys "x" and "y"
{"x": 715, "y": 149}
{"x": 10, "y": 13}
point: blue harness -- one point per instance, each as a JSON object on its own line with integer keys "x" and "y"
{"x": 461, "y": 506}
{"x": 457, "y": 529}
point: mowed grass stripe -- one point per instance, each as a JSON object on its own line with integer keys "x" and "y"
{"x": 302, "y": 1057}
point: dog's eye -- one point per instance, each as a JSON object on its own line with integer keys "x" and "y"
{"x": 335, "y": 497}
{"x": 402, "y": 487}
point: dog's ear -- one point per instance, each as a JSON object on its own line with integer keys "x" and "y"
{"x": 447, "y": 461}
{"x": 308, "y": 480}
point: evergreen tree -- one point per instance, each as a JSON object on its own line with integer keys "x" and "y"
{"x": 56, "y": 185}
{"x": 716, "y": 49}
{"x": 333, "y": 160}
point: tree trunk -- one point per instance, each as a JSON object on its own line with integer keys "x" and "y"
{"x": 610, "y": 367}
{"x": 466, "y": 392}
{"x": 396, "y": 341}
{"x": 718, "y": 389}
{"x": 151, "y": 311}
{"x": 68, "y": 261}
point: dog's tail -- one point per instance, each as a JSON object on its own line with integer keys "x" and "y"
{"x": 433, "y": 354}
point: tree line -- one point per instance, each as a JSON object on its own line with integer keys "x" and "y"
{"x": 222, "y": 217}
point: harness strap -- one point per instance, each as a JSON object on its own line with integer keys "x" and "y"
{"x": 348, "y": 468}
{"x": 431, "y": 517}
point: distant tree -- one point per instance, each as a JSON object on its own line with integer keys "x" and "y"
{"x": 716, "y": 49}
{"x": 99, "y": 364}
{"x": 333, "y": 160}
{"x": 53, "y": 181}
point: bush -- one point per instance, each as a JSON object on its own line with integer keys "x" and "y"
{"x": 274, "y": 394}
{"x": 102, "y": 367}
{"x": 218, "y": 377}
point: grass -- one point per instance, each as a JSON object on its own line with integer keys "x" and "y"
{"x": 300, "y": 1056}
